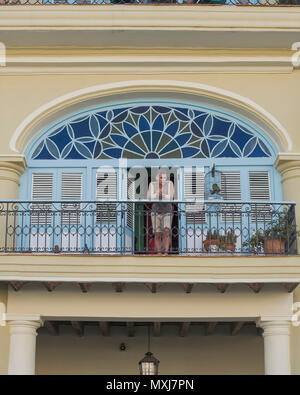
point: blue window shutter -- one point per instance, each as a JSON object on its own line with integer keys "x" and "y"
{"x": 71, "y": 189}
{"x": 194, "y": 189}
{"x": 130, "y": 206}
{"x": 231, "y": 190}
{"x": 71, "y": 186}
{"x": 42, "y": 186}
{"x": 42, "y": 189}
{"x": 231, "y": 185}
{"x": 106, "y": 184}
{"x": 106, "y": 190}
{"x": 259, "y": 186}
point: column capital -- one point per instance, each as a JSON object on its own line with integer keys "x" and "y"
{"x": 286, "y": 162}
{"x": 11, "y": 168}
{"x": 24, "y": 327}
{"x": 33, "y": 321}
{"x": 274, "y": 328}
{"x": 13, "y": 162}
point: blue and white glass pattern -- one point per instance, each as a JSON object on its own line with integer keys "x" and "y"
{"x": 151, "y": 132}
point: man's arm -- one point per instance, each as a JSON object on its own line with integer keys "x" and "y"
{"x": 170, "y": 194}
{"x": 151, "y": 195}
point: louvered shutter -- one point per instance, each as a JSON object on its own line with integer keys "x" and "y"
{"x": 106, "y": 190}
{"x": 259, "y": 185}
{"x": 42, "y": 186}
{"x": 194, "y": 190}
{"x": 42, "y": 190}
{"x": 130, "y": 206}
{"x": 231, "y": 190}
{"x": 71, "y": 189}
{"x": 71, "y": 186}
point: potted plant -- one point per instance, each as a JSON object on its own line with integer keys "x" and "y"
{"x": 256, "y": 242}
{"x": 212, "y": 241}
{"x": 272, "y": 240}
{"x": 276, "y": 234}
{"x": 227, "y": 241}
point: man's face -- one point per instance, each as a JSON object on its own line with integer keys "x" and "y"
{"x": 161, "y": 177}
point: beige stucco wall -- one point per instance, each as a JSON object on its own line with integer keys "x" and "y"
{"x": 24, "y": 94}
{"x": 4, "y": 334}
{"x": 220, "y": 353}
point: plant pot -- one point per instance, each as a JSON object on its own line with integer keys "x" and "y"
{"x": 212, "y": 245}
{"x": 274, "y": 246}
{"x": 229, "y": 247}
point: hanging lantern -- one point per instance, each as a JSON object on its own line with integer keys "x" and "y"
{"x": 149, "y": 364}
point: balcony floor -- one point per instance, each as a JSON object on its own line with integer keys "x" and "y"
{"x": 150, "y": 269}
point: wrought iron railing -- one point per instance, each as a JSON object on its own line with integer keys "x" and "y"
{"x": 142, "y": 227}
{"x": 149, "y": 2}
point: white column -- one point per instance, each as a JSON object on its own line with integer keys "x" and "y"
{"x": 276, "y": 347}
{"x": 22, "y": 346}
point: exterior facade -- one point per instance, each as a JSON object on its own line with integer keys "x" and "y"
{"x": 98, "y": 98}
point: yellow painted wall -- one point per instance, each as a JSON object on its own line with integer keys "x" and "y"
{"x": 276, "y": 93}
{"x": 194, "y": 354}
{"x": 4, "y": 334}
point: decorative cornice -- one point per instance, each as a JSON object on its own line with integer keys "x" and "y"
{"x": 65, "y": 60}
{"x": 139, "y": 17}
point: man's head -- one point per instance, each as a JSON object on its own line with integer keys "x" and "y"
{"x": 161, "y": 176}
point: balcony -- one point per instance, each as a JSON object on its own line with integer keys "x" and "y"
{"x": 191, "y": 228}
{"x": 153, "y": 2}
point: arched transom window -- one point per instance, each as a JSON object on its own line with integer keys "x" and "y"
{"x": 151, "y": 132}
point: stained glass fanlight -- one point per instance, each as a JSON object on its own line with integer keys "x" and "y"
{"x": 150, "y": 132}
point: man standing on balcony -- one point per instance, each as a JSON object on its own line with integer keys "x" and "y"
{"x": 162, "y": 213}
